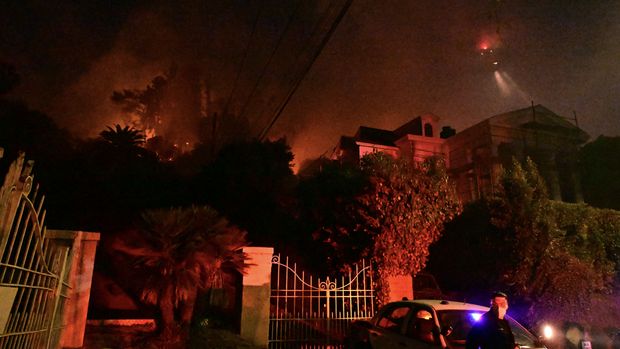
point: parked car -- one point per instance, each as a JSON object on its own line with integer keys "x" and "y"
{"x": 426, "y": 324}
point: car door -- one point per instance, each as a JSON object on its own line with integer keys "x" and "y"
{"x": 388, "y": 331}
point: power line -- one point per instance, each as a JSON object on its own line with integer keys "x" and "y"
{"x": 244, "y": 58}
{"x": 297, "y": 62}
{"x": 322, "y": 45}
{"x": 273, "y": 52}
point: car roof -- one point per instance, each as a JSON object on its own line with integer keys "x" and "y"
{"x": 440, "y": 305}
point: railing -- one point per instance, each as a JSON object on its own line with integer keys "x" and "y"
{"x": 308, "y": 312}
{"x": 32, "y": 269}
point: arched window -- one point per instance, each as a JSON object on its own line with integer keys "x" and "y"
{"x": 428, "y": 130}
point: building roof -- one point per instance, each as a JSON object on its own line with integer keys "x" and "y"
{"x": 413, "y": 127}
{"x": 539, "y": 118}
{"x": 375, "y": 136}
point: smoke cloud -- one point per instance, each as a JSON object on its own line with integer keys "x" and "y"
{"x": 388, "y": 61}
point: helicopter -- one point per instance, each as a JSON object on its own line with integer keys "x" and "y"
{"x": 490, "y": 56}
{"x": 490, "y": 43}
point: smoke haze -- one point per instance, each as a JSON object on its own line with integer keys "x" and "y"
{"x": 388, "y": 61}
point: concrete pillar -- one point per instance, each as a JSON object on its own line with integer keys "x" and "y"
{"x": 400, "y": 287}
{"x": 83, "y": 247}
{"x": 255, "y": 295}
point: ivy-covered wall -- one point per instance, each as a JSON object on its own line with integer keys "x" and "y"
{"x": 591, "y": 234}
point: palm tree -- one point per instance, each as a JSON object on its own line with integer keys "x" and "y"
{"x": 181, "y": 252}
{"x": 123, "y": 137}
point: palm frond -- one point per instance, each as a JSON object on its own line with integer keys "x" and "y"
{"x": 188, "y": 248}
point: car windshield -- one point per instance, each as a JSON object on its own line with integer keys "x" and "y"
{"x": 461, "y": 321}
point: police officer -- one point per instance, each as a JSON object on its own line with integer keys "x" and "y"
{"x": 492, "y": 331}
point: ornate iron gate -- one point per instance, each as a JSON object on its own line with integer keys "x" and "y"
{"x": 32, "y": 269}
{"x": 309, "y": 312}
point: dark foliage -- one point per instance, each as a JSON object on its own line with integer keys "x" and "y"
{"x": 145, "y": 103}
{"x": 326, "y": 206}
{"x": 24, "y": 129}
{"x": 591, "y": 234}
{"x": 174, "y": 255}
{"x": 50, "y": 147}
{"x": 466, "y": 258}
{"x": 600, "y": 170}
{"x": 111, "y": 183}
{"x": 123, "y": 138}
{"x": 552, "y": 257}
{"x": 403, "y": 211}
{"x": 389, "y": 212}
{"x": 252, "y": 184}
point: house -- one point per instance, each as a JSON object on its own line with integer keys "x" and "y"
{"x": 474, "y": 156}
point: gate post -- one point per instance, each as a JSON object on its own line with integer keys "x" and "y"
{"x": 83, "y": 246}
{"x": 255, "y": 295}
{"x": 401, "y": 286}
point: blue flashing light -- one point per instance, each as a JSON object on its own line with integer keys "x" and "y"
{"x": 475, "y": 316}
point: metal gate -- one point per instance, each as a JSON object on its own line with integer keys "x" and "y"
{"x": 309, "y": 312}
{"x": 32, "y": 269}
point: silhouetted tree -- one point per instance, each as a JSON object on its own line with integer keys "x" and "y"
{"x": 252, "y": 184}
{"x": 36, "y": 134}
{"x": 145, "y": 103}
{"x": 24, "y": 129}
{"x": 468, "y": 258}
{"x": 179, "y": 253}
{"x": 328, "y": 215}
{"x": 123, "y": 137}
{"x": 113, "y": 179}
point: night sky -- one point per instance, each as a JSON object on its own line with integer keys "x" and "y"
{"x": 387, "y": 62}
